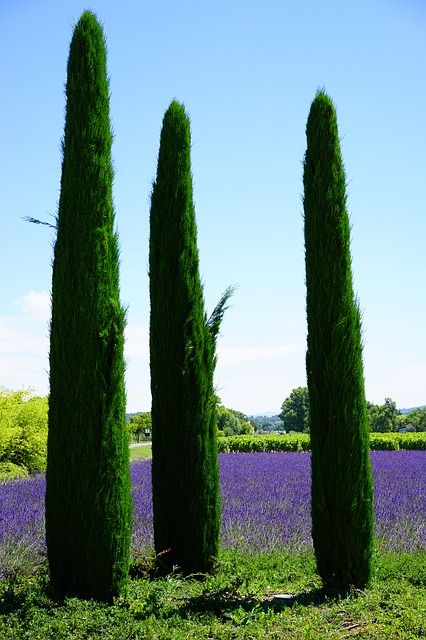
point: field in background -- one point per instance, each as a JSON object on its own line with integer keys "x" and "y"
{"x": 265, "y": 506}
{"x": 140, "y": 451}
{"x": 266, "y": 553}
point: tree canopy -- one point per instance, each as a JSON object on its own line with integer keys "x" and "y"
{"x": 232, "y": 422}
{"x": 23, "y": 433}
{"x": 295, "y": 410}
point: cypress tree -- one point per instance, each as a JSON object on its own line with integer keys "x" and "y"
{"x": 88, "y": 502}
{"x": 182, "y": 350}
{"x": 342, "y": 505}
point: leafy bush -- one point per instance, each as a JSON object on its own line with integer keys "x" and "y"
{"x": 10, "y": 471}
{"x": 23, "y": 432}
{"x": 294, "y": 442}
{"x": 301, "y": 442}
{"x": 383, "y": 441}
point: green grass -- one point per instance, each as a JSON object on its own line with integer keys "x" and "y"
{"x": 237, "y": 603}
{"x": 140, "y": 453}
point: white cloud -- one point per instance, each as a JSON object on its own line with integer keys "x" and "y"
{"x": 403, "y": 382}
{"x": 136, "y": 346}
{"x": 136, "y": 352}
{"x": 35, "y": 304}
{"x": 257, "y": 353}
{"x": 22, "y": 337}
{"x": 24, "y": 349}
{"x": 24, "y": 343}
{"x": 23, "y": 372}
{"x": 23, "y": 354}
{"x": 253, "y": 378}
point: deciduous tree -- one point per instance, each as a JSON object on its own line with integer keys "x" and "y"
{"x": 295, "y": 410}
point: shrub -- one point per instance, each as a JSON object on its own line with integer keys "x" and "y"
{"x": 10, "y": 471}
{"x": 301, "y": 442}
{"x": 23, "y": 431}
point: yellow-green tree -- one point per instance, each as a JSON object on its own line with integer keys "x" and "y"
{"x": 23, "y": 433}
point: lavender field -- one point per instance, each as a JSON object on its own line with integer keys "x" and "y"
{"x": 265, "y": 506}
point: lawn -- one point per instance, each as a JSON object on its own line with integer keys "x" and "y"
{"x": 266, "y": 550}
{"x": 238, "y": 602}
{"x": 141, "y": 452}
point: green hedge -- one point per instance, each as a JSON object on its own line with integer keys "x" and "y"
{"x": 296, "y": 442}
{"x": 301, "y": 442}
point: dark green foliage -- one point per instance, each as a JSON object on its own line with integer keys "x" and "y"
{"x": 384, "y": 417}
{"x": 231, "y": 422}
{"x": 88, "y": 503}
{"x": 182, "y": 345}
{"x": 342, "y": 509}
{"x": 295, "y": 410}
{"x": 140, "y": 425}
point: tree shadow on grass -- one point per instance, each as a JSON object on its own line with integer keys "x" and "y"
{"x": 220, "y": 605}
{"x": 224, "y": 605}
{"x": 19, "y": 593}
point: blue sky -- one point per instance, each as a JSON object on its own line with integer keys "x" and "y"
{"x": 247, "y": 72}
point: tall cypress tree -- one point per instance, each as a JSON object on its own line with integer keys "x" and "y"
{"x": 182, "y": 348}
{"x": 342, "y": 508}
{"x": 88, "y": 503}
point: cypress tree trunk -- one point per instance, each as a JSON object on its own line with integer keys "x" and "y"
{"x": 182, "y": 346}
{"x": 88, "y": 503}
{"x": 342, "y": 507}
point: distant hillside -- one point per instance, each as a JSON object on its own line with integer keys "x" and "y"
{"x": 267, "y": 422}
{"x": 130, "y": 415}
{"x": 404, "y": 411}
{"x": 266, "y": 414}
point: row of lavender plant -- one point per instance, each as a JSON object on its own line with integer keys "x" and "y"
{"x": 265, "y": 506}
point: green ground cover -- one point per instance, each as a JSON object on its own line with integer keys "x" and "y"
{"x": 140, "y": 453}
{"x": 236, "y": 602}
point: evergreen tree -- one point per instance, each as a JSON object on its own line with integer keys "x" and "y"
{"x": 88, "y": 502}
{"x": 342, "y": 508}
{"x": 182, "y": 346}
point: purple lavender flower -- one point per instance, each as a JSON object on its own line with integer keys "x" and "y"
{"x": 265, "y": 506}
{"x": 22, "y": 539}
{"x": 400, "y": 499}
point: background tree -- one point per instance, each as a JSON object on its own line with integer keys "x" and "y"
{"x": 182, "y": 346}
{"x": 295, "y": 410}
{"x": 416, "y": 417}
{"x": 23, "y": 433}
{"x": 342, "y": 497}
{"x": 384, "y": 417}
{"x": 88, "y": 503}
{"x": 231, "y": 422}
{"x": 139, "y": 424}
{"x": 266, "y": 423}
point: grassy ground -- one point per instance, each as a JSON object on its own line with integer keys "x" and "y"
{"x": 236, "y": 603}
{"x": 140, "y": 453}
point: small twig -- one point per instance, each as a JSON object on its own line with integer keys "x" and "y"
{"x": 348, "y": 627}
{"x": 36, "y": 221}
